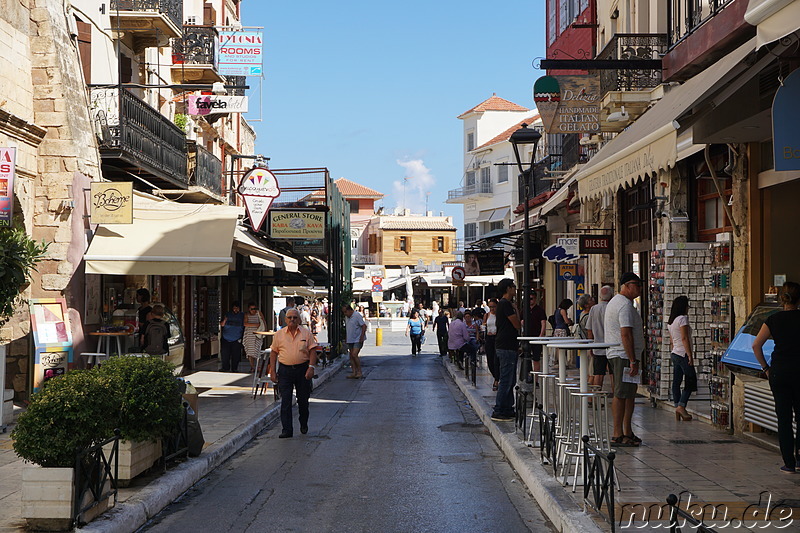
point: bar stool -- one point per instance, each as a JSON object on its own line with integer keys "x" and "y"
{"x": 566, "y": 418}
{"x": 94, "y": 358}
{"x": 260, "y": 376}
{"x": 598, "y": 431}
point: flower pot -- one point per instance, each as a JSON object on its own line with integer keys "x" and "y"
{"x": 135, "y": 458}
{"x": 47, "y": 497}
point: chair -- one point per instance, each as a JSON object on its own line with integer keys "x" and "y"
{"x": 260, "y": 378}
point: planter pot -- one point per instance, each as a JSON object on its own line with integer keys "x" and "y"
{"x": 135, "y": 458}
{"x": 47, "y": 497}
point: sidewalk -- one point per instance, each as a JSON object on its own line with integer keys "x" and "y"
{"x": 229, "y": 416}
{"x": 675, "y": 457}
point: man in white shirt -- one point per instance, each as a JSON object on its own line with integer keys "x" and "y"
{"x": 623, "y": 325}
{"x": 356, "y": 332}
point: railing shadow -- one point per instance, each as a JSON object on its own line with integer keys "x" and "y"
{"x": 95, "y": 477}
{"x": 599, "y": 481}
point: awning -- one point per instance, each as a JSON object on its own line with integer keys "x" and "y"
{"x": 558, "y": 198}
{"x": 247, "y": 244}
{"x": 650, "y": 143}
{"x": 485, "y": 216}
{"x": 166, "y": 238}
{"x": 773, "y": 19}
{"x": 500, "y": 214}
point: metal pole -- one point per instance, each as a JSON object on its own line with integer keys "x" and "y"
{"x": 525, "y": 367}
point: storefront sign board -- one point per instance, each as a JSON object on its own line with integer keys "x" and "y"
{"x": 309, "y": 247}
{"x": 111, "y": 202}
{"x": 289, "y": 225}
{"x": 596, "y": 244}
{"x": 8, "y": 169}
{"x": 240, "y": 53}
{"x": 52, "y": 339}
{"x": 484, "y": 263}
{"x": 568, "y": 104}
{"x": 258, "y": 188}
{"x": 785, "y": 118}
{"x": 565, "y": 250}
{"x": 567, "y": 271}
{"x": 211, "y": 104}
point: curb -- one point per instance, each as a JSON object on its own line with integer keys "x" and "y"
{"x": 150, "y": 500}
{"x": 546, "y": 490}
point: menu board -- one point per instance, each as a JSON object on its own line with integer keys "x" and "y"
{"x": 52, "y": 339}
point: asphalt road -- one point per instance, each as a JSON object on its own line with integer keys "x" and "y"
{"x": 398, "y": 451}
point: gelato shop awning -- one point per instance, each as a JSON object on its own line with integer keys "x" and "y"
{"x": 650, "y": 143}
{"x": 166, "y": 238}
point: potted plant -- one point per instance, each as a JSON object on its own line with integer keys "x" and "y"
{"x": 147, "y": 409}
{"x": 69, "y": 414}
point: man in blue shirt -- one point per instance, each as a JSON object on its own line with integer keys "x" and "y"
{"x": 232, "y": 327}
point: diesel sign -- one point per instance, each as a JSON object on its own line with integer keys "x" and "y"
{"x": 596, "y": 244}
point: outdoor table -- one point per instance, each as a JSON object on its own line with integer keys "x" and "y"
{"x": 583, "y": 352}
{"x": 104, "y": 342}
{"x": 562, "y": 364}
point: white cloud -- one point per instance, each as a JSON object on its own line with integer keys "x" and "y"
{"x": 418, "y": 181}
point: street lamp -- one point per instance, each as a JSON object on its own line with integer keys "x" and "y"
{"x": 523, "y": 137}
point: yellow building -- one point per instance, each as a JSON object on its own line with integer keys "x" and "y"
{"x": 411, "y": 240}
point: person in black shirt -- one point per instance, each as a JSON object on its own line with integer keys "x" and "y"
{"x": 506, "y": 345}
{"x": 440, "y": 324}
{"x": 784, "y": 372}
{"x": 143, "y": 299}
{"x": 538, "y": 329}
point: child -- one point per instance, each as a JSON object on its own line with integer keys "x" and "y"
{"x": 156, "y": 333}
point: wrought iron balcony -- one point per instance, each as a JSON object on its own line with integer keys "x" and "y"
{"x": 483, "y": 189}
{"x": 164, "y": 16}
{"x": 632, "y": 46}
{"x": 685, "y": 16}
{"x": 205, "y": 169}
{"x": 138, "y": 136}
{"x": 236, "y": 81}
{"x": 195, "y": 47}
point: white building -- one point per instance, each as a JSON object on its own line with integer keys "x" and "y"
{"x": 489, "y": 189}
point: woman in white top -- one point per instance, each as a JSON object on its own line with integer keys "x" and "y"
{"x": 680, "y": 334}
{"x": 491, "y": 332}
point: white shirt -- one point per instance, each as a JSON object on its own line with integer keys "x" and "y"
{"x": 675, "y": 334}
{"x": 596, "y": 323}
{"x": 620, "y": 313}
{"x": 491, "y": 324}
{"x": 354, "y": 327}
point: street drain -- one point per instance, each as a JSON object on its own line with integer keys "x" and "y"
{"x": 687, "y": 441}
{"x": 725, "y": 441}
{"x": 460, "y": 458}
{"x": 463, "y": 427}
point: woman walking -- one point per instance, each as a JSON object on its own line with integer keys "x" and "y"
{"x": 416, "y": 327}
{"x": 680, "y": 340}
{"x": 253, "y": 321}
{"x": 563, "y": 321}
{"x": 784, "y": 371}
{"x": 491, "y": 332}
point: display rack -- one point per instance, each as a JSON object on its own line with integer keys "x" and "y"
{"x": 655, "y": 322}
{"x": 721, "y": 320}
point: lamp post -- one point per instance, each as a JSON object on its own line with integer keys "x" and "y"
{"x": 523, "y": 137}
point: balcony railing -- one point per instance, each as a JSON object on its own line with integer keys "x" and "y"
{"x": 686, "y": 16}
{"x": 196, "y": 47}
{"x": 236, "y": 81}
{"x": 205, "y": 170}
{"x": 173, "y": 9}
{"x": 469, "y": 190}
{"x": 132, "y": 130}
{"x": 458, "y": 246}
{"x": 632, "y": 46}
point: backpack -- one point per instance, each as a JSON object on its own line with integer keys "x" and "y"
{"x": 155, "y": 338}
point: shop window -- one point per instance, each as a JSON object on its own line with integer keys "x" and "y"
{"x": 637, "y": 209}
{"x": 711, "y": 218}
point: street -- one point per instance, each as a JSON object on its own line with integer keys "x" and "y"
{"x": 400, "y": 450}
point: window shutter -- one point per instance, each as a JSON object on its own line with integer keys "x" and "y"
{"x": 126, "y": 69}
{"x": 373, "y": 243}
{"x": 85, "y": 49}
{"x": 397, "y": 244}
{"x": 435, "y": 244}
{"x": 408, "y": 244}
{"x": 447, "y": 245}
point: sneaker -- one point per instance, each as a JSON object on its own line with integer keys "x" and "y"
{"x": 788, "y": 470}
{"x": 503, "y": 418}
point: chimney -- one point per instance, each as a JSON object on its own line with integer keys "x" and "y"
{"x": 429, "y": 213}
{"x": 406, "y": 212}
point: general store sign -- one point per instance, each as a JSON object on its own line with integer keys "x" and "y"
{"x": 211, "y": 104}
{"x": 8, "y": 169}
{"x": 785, "y": 118}
{"x": 304, "y": 225}
{"x": 568, "y": 104}
{"x": 111, "y": 203}
{"x": 240, "y": 53}
{"x": 259, "y": 188}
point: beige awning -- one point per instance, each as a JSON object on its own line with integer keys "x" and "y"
{"x": 247, "y": 244}
{"x": 166, "y": 238}
{"x": 773, "y": 19}
{"x": 650, "y": 143}
{"x": 500, "y": 214}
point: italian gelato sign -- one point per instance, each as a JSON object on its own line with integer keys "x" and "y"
{"x": 568, "y": 104}
{"x": 290, "y": 225}
{"x": 259, "y": 188}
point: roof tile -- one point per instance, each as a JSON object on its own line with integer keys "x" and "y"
{"x": 494, "y": 103}
{"x": 507, "y": 134}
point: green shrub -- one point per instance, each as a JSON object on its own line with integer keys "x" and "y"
{"x": 18, "y": 257}
{"x": 148, "y": 401}
{"x": 68, "y": 414}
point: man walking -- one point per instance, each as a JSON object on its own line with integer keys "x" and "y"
{"x": 440, "y": 324}
{"x": 595, "y": 330}
{"x": 282, "y": 315}
{"x": 623, "y": 326}
{"x": 506, "y": 345}
{"x": 356, "y": 330}
{"x": 296, "y": 351}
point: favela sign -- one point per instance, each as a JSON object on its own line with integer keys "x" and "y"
{"x": 568, "y": 104}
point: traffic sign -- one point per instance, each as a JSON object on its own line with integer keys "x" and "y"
{"x": 458, "y": 273}
{"x": 377, "y": 297}
{"x": 377, "y": 287}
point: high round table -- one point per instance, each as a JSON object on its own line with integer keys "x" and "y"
{"x": 104, "y": 340}
{"x": 544, "y": 341}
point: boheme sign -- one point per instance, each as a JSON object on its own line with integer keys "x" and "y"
{"x": 596, "y": 244}
{"x": 211, "y": 104}
{"x": 785, "y": 117}
{"x": 8, "y": 170}
{"x": 290, "y": 225}
{"x": 258, "y": 188}
{"x": 568, "y": 104}
{"x": 111, "y": 203}
{"x": 239, "y": 53}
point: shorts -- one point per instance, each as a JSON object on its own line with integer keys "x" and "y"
{"x": 536, "y": 352}
{"x": 622, "y": 390}
{"x": 600, "y": 365}
{"x": 355, "y": 345}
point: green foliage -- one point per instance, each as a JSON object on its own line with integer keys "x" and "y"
{"x": 148, "y": 401}
{"x": 18, "y": 257}
{"x": 181, "y": 121}
{"x": 70, "y": 413}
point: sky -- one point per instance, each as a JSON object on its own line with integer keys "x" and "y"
{"x": 371, "y": 90}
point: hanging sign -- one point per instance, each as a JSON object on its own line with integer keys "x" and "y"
{"x": 212, "y": 104}
{"x": 568, "y": 104}
{"x": 111, "y": 202}
{"x": 567, "y": 271}
{"x": 785, "y": 117}
{"x": 240, "y": 53}
{"x": 290, "y": 225}
{"x": 596, "y": 244}
{"x": 258, "y": 188}
{"x": 485, "y": 263}
{"x": 8, "y": 169}
{"x": 565, "y": 250}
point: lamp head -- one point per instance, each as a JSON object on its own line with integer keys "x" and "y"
{"x": 524, "y": 136}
